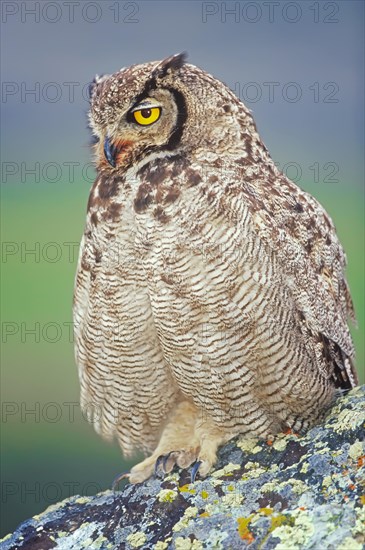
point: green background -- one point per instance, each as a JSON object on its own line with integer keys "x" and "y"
{"x": 48, "y": 453}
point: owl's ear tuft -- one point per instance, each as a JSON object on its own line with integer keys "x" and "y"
{"x": 172, "y": 63}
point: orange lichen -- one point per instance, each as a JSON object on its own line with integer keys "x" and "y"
{"x": 289, "y": 431}
{"x": 243, "y": 529}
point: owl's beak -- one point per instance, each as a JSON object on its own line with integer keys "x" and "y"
{"x": 110, "y": 152}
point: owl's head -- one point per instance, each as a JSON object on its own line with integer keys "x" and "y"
{"x": 164, "y": 107}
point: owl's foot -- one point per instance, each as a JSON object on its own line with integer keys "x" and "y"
{"x": 166, "y": 463}
{"x": 185, "y": 440}
{"x": 181, "y": 459}
{"x": 178, "y": 434}
{"x": 161, "y": 462}
{"x": 142, "y": 471}
{"x": 204, "y": 454}
{"x": 185, "y": 458}
{"x": 210, "y": 438}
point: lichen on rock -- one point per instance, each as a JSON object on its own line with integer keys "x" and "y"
{"x": 291, "y": 493}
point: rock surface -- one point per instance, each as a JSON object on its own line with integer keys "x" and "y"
{"x": 296, "y": 492}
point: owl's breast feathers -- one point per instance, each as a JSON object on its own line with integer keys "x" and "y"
{"x": 214, "y": 277}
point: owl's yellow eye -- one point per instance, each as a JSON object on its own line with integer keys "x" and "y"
{"x": 148, "y": 116}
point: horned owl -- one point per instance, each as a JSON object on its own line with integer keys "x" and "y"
{"x": 210, "y": 295}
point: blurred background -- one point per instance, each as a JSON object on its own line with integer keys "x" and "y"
{"x": 297, "y": 65}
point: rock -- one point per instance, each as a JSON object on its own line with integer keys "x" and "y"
{"x": 296, "y": 492}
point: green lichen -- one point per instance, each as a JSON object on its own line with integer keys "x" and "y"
{"x": 280, "y": 443}
{"x": 99, "y": 542}
{"x": 136, "y": 540}
{"x": 327, "y": 481}
{"x": 297, "y": 486}
{"x": 279, "y": 520}
{"x": 173, "y": 477}
{"x": 254, "y": 469}
{"x": 347, "y": 420}
{"x": 188, "y": 488}
{"x": 232, "y": 500}
{"x": 50, "y": 509}
{"x": 297, "y": 536}
{"x": 61, "y": 534}
{"x": 350, "y": 544}
{"x": 189, "y": 513}
{"x": 356, "y": 450}
{"x": 216, "y": 482}
{"x": 82, "y": 500}
{"x": 248, "y": 445}
{"x": 227, "y": 470}
{"x": 186, "y": 544}
{"x": 167, "y": 495}
{"x": 358, "y": 530}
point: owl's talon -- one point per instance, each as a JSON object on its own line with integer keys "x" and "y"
{"x": 164, "y": 462}
{"x": 158, "y": 462}
{"x": 119, "y": 478}
{"x": 194, "y": 470}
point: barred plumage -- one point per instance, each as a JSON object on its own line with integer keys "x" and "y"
{"x": 210, "y": 296}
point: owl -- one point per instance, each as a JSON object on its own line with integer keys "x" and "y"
{"x": 210, "y": 296}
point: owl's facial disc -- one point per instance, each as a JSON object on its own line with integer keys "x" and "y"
{"x": 144, "y": 114}
{"x": 131, "y": 129}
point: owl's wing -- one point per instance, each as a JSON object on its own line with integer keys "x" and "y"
{"x": 302, "y": 236}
